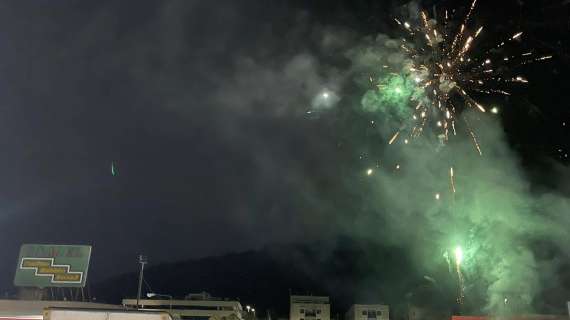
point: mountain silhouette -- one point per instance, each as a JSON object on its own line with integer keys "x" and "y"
{"x": 348, "y": 270}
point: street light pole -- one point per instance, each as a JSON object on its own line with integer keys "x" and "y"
{"x": 142, "y": 261}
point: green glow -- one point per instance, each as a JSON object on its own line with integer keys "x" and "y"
{"x": 392, "y": 96}
{"x": 458, "y": 255}
{"x": 114, "y": 171}
{"x": 481, "y": 230}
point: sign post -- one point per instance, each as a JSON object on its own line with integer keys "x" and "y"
{"x": 43, "y": 266}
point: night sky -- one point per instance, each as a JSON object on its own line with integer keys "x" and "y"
{"x": 201, "y": 108}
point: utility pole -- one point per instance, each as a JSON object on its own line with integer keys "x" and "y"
{"x": 142, "y": 261}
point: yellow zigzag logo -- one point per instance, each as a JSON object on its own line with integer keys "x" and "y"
{"x": 44, "y": 267}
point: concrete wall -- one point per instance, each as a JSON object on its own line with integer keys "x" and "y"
{"x": 35, "y": 308}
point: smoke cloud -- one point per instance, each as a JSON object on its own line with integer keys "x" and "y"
{"x": 492, "y": 211}
{"x": 205, "y": 107}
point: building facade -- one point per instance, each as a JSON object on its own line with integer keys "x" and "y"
{"x": 309, "y": 308}
{"x": 193, "y": 307}
{"x": 368, "y": 312}
{"x": 34, "y": 309}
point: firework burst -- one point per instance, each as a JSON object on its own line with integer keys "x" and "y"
{"x": 442, "y": 66}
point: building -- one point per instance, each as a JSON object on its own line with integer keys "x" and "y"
{"x": 34, "y": 309}
{"x": 309, "y": 308}
{"x": 199, "y": 306}
{"x": 368, "y": 312}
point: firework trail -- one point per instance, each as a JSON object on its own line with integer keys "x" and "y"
{"x": 452, "y": 180}
{"x": 461, "y": 283}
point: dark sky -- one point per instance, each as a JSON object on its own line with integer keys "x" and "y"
{"x": 201, "y": 105}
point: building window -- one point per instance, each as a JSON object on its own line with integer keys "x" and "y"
{"x": 302, "y": 311}
{"x": 364, "y": 313}
{"x": 318, "y": 312}
{"x": 310, "y": 313}
{"x": 379, "y": 313}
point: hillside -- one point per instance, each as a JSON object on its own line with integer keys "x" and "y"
{"x": 347, "y": 270}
